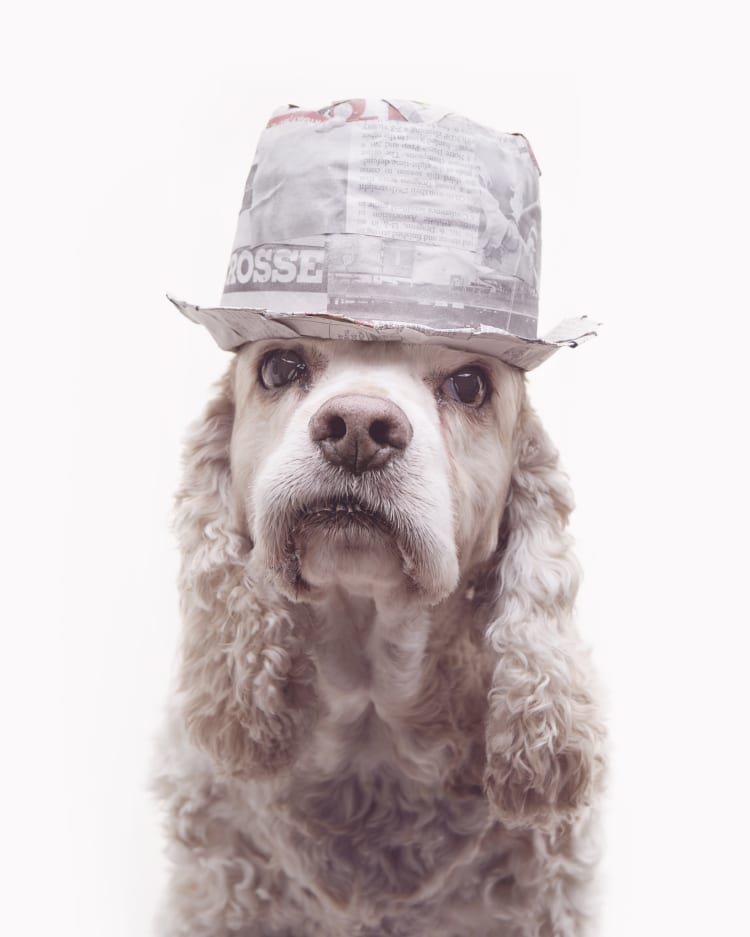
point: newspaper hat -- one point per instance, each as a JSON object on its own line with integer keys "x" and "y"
{"x": 389, "y": 221}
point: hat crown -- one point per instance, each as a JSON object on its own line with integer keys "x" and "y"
{"x": 389, "y": 220}
{"x": 392, "y": 210}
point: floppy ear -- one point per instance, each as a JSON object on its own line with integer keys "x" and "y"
{"x": 544, "y": 735}
{"x": 246, "y": 682}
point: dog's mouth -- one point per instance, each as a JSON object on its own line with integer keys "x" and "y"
{"x": 347, "y": 515}
{"x": 359, "y": 532}
{"x": 340, "y": 528}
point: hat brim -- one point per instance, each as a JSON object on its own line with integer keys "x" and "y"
{"x": 232, "y": 327}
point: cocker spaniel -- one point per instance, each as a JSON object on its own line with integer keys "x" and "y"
{"x": 385, "y": 722}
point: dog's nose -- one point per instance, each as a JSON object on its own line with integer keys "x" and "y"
{"x": 360, "y": 433}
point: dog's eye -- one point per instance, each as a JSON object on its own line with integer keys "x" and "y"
{"x": 281, "y": 367}
{"x": 469, "y": 386}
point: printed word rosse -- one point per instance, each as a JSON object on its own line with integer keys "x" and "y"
{"x": 281, "y": 267}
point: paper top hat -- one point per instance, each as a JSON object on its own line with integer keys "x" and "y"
{"x": 389, "y": 221}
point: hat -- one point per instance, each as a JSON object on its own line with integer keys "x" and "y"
{"x": 389, "y": 221}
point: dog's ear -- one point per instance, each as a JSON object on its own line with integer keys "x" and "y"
{"x": 246, "y": 682}
{"x": 544, "y": 735}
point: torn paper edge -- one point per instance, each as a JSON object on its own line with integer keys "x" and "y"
{"x": 232, "y": 327}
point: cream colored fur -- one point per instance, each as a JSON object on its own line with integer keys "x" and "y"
{"x": 392, "y": 734}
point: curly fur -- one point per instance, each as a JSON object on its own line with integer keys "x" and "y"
{"x": 344, "y": 757}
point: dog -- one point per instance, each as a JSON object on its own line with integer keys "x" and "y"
{"x": 385, "y": 722}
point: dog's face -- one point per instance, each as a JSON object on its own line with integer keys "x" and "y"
{"x": 375, "y": 467}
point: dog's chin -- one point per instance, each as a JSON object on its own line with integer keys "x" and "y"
{"x": 344, "y": 546}
{"x": 349, "y": 554}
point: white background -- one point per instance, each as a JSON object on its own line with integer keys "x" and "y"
{"x": 128, "y": 134}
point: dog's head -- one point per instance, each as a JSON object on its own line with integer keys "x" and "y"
{"x": 373, "y": 467}
{"x": 384, "y": 469}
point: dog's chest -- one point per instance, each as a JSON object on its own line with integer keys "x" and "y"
{"x": 378, "y": 835}
{"x": 372, "y": 812}
{"x": 386, "y": 797}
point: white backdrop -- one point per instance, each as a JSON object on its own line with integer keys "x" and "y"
{"x": 129, "y": 132}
